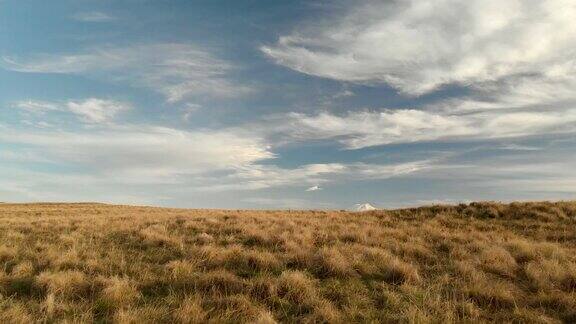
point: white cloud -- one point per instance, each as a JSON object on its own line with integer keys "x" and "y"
{"x": 38, "y": 124}
{"x": 35, "y": 106}
{"x": 549, "y": 90}
{"x": 95, "y": 110}
{"x": 419, "y": 45}
{"x": 92, "y": 16}
{"x": 518, "y": 147}
{"x": 188, "y": 110}
{"x": 142, "y": 153}
{"x": 343, "y": 94}
{"x": 363, "y": 171}
{"x": 91, "y": 110}
{"x": 266, "y": 176}
{"x": 256, "y": 176}
{"x": 363, "y": 129}
{"x": 178, "y": 71}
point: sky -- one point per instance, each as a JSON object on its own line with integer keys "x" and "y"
{"x": 287, "y": 104}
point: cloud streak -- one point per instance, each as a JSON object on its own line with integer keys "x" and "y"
{"x": 257, "y": 176}
{"x": 91, "y": 110}
{"x": 363, "y": 129}
{"x": 177, "y": 71}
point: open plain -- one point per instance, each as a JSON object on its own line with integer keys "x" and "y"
{"x": 103, "y": 263}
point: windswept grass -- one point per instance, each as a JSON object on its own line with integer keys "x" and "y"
{"x": 120, "y": 264}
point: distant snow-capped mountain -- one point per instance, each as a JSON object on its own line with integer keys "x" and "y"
{"x": 365, "y": 207}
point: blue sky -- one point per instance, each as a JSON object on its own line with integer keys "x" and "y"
{"x": 287, "y": 104}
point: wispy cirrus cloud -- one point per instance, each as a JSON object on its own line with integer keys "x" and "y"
{"x": 363, "y": 129}
{"x": 36, "y": 106}
{"x": 258, "y": 176}
{"x": 91, "y": 110}
{"x": 177, "y": 71}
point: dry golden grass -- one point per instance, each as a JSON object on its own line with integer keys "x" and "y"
{"x": 468, "y": 263}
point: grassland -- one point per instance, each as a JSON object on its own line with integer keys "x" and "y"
{"x": 466, "y": 263}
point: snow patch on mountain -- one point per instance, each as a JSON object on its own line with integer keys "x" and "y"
{"x": 364, "y": 207}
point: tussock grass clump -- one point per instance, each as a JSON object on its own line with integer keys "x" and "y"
{"x": 331, "y": 262}
{"x": 297, "y": 287}
{"x": 191, "y": 310}
{"x": 478, "y": 262}
{"x": 182, "y": 271}
{"x": 67, "y": 284}
{"x": 552, "y": 274}
{"x": 23, "y": 269}
{"x": 220, "y": 282}
{"x": 499, "y": 261}
{"x": 119, "y": 292}
{"x": 7, "y": 253}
